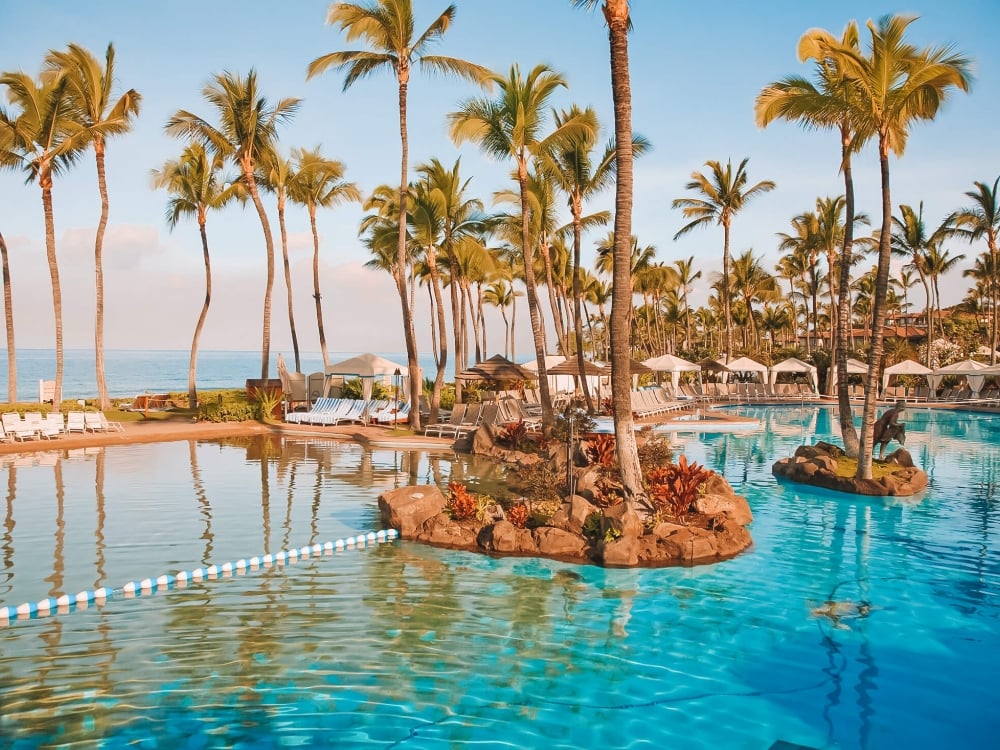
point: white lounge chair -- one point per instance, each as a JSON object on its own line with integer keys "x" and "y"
{"x": 75, "y": 422}
{"x": 16, "y": 427}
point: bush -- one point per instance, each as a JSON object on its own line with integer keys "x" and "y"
{"x": 673, "y": 488}
{"x": 227, "y": 406}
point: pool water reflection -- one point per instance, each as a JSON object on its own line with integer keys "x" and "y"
{"x": 401, "y": 645}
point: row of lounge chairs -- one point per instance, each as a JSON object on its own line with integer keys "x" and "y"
{"x": 650, "y": 402}
{"x": 34, "y": 426}
{"x": 465, "y": 418}
{"x": 334, "y": 411}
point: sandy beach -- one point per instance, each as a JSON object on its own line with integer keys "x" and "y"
{"x": 155, "y": 431}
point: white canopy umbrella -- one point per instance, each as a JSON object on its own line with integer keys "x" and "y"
{"x": 793, "y": 364}
{"x": 674, "y": 365}
{"x": 854, "y": 367}
{"x": 745, "y": 364}
{"x": 906, "y": 367}
{"x": 970, "y": 368}
{"x": 369, "y": 368}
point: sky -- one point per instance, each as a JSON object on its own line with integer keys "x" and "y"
{"x": 696, "y": 70}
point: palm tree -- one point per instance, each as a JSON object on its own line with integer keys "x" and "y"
{"x": 197, "y": 185}
{"x": 319, "y": 183}
{"x": 44, "y": 139}
{"x": 754, "y": 284}
{"x": 686, "y": 276}
{"x": 102, "y": 117}
{"x": 387, "y": 26}
{"x": 910, "y": 239}
{"x": 725, "y": 195}
{"x": 828, "y": 104}
{"x": 8, "y": 160}
{"x": 247, "y": 130}
{"x": 802, "y": 244}
{"x": 8, "y": 313}
{"x": 938, "y": 262}
{"x": 618, "y": 19}
{"x": 275, "y": 172}
{"x": 500, "y": 294}
{"x": 896, "y": 84}
{"x": 512, "y": 126}
{"x": 982, "y": 220}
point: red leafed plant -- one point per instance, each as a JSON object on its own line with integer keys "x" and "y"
{"x": 673, "y": 488}
{"x": 601, "y": 450}
{"x": 518, "y": 515}
{"x": 461, "y": 503}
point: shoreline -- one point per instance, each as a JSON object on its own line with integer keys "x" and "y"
{"x": 139, "y": 433}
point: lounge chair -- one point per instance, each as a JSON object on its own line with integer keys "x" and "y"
{"x": 75, "y": 422}
{"x": 394, "y": 413}
{"x": 16, "y": 427}
{"x": 53, "y": 426}
{"x": 451, "y": 426}
{"x": 101, "y": 422}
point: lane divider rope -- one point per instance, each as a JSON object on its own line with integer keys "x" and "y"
{"x": 148, "y": 586}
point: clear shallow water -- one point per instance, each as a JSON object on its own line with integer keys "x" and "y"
{"x": 401, "y": 645}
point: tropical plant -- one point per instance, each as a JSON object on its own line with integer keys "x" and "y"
{"x": 512, "y": 126}
{"x": 461, "y": 503}
{"x": 673, "y": 489}
{"x": 197, "y": 185}
{"x": 894, "y": 85}
{"x": 247, "y": 131}
{"x": 319, "y": 183}
{"x": 388, "y": 28}
{"x": 724, "y": 194}
{"x": 101, "y": 117}
{"x": 981, "y": 220}
{"x": 43, "y": 137}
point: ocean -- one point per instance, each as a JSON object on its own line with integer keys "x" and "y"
{"x": 129, "y": 372}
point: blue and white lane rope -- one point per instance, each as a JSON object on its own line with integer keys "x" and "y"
{"x": 147, "y": 586}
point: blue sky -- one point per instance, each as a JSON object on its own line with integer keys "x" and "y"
{"x": 696, "y": 69}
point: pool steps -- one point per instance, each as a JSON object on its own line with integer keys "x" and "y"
{"x": 84, "y": 599}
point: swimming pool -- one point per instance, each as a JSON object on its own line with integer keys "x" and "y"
{"x": 403, "y": 646}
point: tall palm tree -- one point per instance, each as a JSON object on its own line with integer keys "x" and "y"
{"x": 910, "y": 240}
{"x": 939, "y": 261}
{"x": 725, "y": 194}
{"x": 102, "y": 116}
{"x": 463, "y": 216}
{"x": 275, "y": 172}
{"x": 686, "y": 276}
{"x": 754, "y": 284}
{"x": 197, "y": 185}
{"x": 803, "y": 246}
{"x": 319, "y": 183}
{"x": 8, "y": 314}
{"x": 513, "y": 126}
{"x": 44, "y": 139}
{"x": 8, "y": 160}
{"x": 247, "y": 130}
{"x": 388, "y": 28}
{"x": 618, "y": 19}
{"x": 896, "y": 84}
{"x": 981, "y": 220}
{"x": 829, "y": 103}
{"x": 501, "y": 295}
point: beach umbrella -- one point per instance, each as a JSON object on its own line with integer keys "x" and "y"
{"x": 368, "y": 367}
{"x": 286, "y": 385}
{"x": 674, "y": 365}
{"x": 497, "y": 368}
{"x": 572, "y": 367}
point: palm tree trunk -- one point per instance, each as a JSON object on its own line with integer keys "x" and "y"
{"x": 928, "y": 317}
{"x": 616, "y": 15}
{"x": 578, "y": 303}
{"x": 442, "y": 358}
{"x": 193, "y": 364}
{"x": 45, "y": 180}
{"x": 537, "y": 328}
{"x": 288, "y": 281}
{"x": 316, "y": 295}
{"x": 453, "y": 289}
{"x": 265, "y": 352}
{"x": 551, "y": 290}
{"x": 878, "y": 323}
{"x": 102, "y": 185}
{"x": 416, "y": 379}
{"x": 8, "y": 314}
{"x": 848, "y": 431}
{"x": 727, "y": 304}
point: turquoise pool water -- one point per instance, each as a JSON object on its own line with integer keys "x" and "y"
{"x": 403, "y": 646}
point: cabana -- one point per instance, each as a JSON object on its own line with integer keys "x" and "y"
{"x": 557, "y": 383}
{"x": 793, "y": 364}
{"x": 747, "y": 365}
{"x": 674, "y": 365}
{"x": 906, "y": 367}
{"x": 369, "y": 368}
{"x": 854, "y": 367}
{"x": 974, "y": 372}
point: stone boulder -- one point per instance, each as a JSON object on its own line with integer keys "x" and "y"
{"x": 733, "y": 506}
{"x": 573, "y": 514}
{"x": 817, "y": 466}
{"x": 406, "y": 509}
